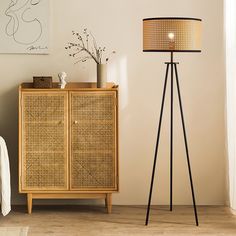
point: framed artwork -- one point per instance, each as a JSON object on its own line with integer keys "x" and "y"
{"x": 24, "y": 26}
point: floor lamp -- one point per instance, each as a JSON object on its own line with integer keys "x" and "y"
{"x": 171, "y": 34}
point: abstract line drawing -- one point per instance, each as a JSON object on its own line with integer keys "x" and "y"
{"x": 22, "y": 25}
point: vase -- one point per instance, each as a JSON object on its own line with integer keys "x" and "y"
{"x": 101, "y": 75}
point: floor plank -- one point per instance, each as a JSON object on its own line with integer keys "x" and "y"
{"x": 124, "y": 220}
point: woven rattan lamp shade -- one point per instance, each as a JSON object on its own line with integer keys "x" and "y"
{"x": 172, "y": 34}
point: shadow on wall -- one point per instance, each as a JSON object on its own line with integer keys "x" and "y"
{"x": 9, "y": 131}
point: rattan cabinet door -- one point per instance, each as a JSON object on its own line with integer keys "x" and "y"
{"x": 93, "y": 141}
{"x": 44, "y": 159}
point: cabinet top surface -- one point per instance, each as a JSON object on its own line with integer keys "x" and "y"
{"x": 70, "y": 86}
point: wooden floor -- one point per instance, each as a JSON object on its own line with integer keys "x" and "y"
{"x": 125, "y": 220}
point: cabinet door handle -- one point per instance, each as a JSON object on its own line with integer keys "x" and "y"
{"x": 76, "y": 122}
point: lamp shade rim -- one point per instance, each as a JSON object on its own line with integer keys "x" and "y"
{"x": 171, "y": 50}
{"x": 172, "y": 18}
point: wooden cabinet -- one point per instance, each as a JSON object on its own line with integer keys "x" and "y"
{"x": 68, "y": 142}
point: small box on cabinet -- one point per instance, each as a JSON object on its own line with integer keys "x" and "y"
{"x": 42, "y": 81}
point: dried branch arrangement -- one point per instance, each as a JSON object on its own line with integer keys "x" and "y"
{"x": 88, "y": 48}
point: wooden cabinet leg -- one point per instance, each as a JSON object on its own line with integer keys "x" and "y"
{"x": 29, "y": 202}
{"x": 106, "y": 201}
{"x": 109, "y": 202}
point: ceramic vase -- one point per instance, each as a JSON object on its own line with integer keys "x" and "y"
{"x": 101, "y": 75}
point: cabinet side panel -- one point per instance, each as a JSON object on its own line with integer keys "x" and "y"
{"x": 20, "y": 141}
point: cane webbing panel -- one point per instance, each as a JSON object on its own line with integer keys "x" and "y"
{"x": 93, "y": 170}
{"x": 44, "y": 153}
{"x": 44, "y": 137}
{"x": 93, "y": 140}
{"x": 172, "y": 34}
{"x": 44, "y": 171}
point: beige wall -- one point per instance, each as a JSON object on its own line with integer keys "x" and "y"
{"x": 118, "y": 25}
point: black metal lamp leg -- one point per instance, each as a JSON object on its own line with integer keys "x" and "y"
{"x": 186, "y": 145}
{"x": 157, "y": 144}
{"x": 171, "y": 131}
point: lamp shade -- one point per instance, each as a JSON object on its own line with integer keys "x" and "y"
{"x": 172, "y": 34}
